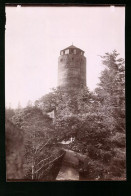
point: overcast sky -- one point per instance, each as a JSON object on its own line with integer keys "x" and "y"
{"x": 35, "y": 35}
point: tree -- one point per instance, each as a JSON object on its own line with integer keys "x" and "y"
{"x": 29, "y": 103}
{"x": 14, "y": 151}
{"x": 9, "y": 112}
{"x": 111, "y": 103}
{"x": 111, "y": 91}
{"x": 96, "y": 121}
{"x": 38, "y": 141}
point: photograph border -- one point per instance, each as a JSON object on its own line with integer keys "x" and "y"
{"x": 24, "y": 188}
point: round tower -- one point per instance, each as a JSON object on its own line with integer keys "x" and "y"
{"x": 71, "y": 68}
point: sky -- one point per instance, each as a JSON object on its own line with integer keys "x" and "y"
{"x": 34, "y": 37}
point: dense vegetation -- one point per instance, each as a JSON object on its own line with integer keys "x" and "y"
{"x": 95, "y": 121}
{"x": 14, "y": 158}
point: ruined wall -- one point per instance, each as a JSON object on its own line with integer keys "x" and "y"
{"x": 72, "y": 71}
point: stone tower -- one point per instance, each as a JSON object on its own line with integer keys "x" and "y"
{"x": 71, "y": 68}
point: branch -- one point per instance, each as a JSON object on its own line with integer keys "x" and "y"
{"x": 42, "y": 161}
{"x": 48, "y": 163}
{"x": 47, "y": 169}
{"x": 42, "y": 146}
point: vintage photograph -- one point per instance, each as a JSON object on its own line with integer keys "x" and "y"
{"x": 65, "y": 93}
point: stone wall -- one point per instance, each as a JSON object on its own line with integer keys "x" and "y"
{"x": 70, "y": 166}
{"x": 72, "y": 71}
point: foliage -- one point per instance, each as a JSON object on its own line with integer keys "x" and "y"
{"x": 37, "y": 132}
{"x": 110, "y": 97}
{"x": 14, "y": 151}
{"x": 111, "y": 91}
{"x": 9, "y": 113}
{"x": 96, "y": 121}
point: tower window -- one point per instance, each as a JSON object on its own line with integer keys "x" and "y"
{"x": 66, "y": 51}
{"x": 62, "y": 52}
{"x": 75, "y": 51}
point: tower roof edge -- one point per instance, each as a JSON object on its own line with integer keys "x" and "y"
{"x": 72, "y": 47}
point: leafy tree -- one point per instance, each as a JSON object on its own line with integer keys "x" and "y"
{"x": 97, "y": 121}
{"x": 9, "y": 112}
{"x": 14, "y": 151}
{"x": 38, "y": 134}
{"x": 111, "y": 90}
{"x": 111, "y": 103}
{"x": 29, "y": 103}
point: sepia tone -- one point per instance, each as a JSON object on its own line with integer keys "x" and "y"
{"x": 14, "y": 151}
{"x": 72, "y": 68}
{"x": 71, "y": 133}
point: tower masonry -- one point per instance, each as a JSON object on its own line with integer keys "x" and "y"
{"x": 71, "y": 68}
